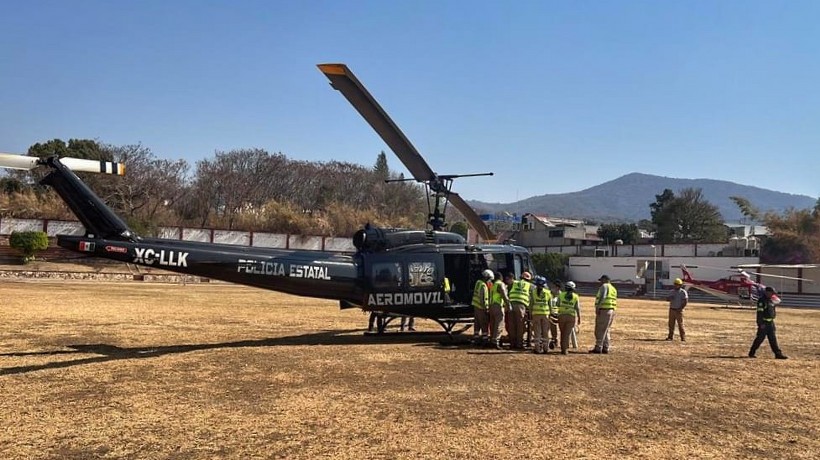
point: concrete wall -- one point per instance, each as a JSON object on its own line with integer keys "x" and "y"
{"x": 626, "y": 269}
{"x": 205, "y": 235}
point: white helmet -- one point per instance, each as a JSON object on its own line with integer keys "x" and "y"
{"x": 570, "y": 285}
{"x": 488, "y": 274}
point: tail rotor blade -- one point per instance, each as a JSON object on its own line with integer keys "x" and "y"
{"x": 11, "y": 161}
{"x": 94, "y": 166}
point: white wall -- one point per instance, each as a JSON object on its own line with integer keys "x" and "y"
{"x": 624, "y": 269}
{"x": 204, "y": 235}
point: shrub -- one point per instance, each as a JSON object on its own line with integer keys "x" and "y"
{"x": 551, "y": 265}
{"x": 28, "y": 243}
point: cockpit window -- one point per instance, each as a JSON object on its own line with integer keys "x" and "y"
{"x": 387, "y": 275}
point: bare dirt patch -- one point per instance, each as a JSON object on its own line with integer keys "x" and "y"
{"x": 140, "y": 370}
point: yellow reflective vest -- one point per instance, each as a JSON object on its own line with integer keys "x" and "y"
{"x": 568, "y": 303}
{"x": 541, "y": 302}
{"x": 497, "y": 296}
{"x": 610, "y": 302}
{"x": 481, "y": 295}
{"x": 520, "y": 292}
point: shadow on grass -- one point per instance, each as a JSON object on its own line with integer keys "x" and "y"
{"x": 328, "y": 337}
{"x": 728, "y": 357}
{"x": 651, "y": 340}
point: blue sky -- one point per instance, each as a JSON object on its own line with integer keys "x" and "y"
{"x": 552, "y": 96}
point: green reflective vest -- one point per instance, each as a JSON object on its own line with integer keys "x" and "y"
{"x": 520, "y": 292}
{"x": 541, "y": 302}
{"x": 481, "y": 295}
{"x": 497, "y": 297}
{"x": 446, "y": 285}
{"x": 610, "y": 302}
{"x": 566, "y": 306}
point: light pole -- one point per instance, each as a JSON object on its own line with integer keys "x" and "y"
{"x": 654, "y": 269}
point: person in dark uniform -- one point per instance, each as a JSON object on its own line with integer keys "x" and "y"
{"x": 766, "y": 303}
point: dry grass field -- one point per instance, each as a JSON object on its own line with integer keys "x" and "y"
{"x": 161, "y": 371}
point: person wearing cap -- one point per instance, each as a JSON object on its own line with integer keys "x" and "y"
{"x": 481, "y": 306}
{"x": 499, "y": 303}
{"x": 606, "y": 301}
{"x": 766, "y": 302}
{"x": 520, "y": 302}
{"x": 540, "y": 310}
{"x": 678, "y": 299}
{"x": 569, "y": 314}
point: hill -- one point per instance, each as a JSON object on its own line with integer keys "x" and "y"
{"x": 627, "y": 198}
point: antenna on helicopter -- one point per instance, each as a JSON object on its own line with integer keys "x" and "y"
{"x": 343, "y": 80}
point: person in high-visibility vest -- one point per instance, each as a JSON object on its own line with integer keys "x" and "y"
{"x": 766, "y": 302}
{"x": 540, "y": 311}
{"x": 448, "y": 300}
{"x": 499, "y": 303}
{"x": 520, "y": 302}
{"x": 569, "y": 314}
{"x": 555, "y": 290}
{"x": 606, "y": 301}
{"x": 481, "y": 306}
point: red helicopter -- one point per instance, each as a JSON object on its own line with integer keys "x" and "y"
{"x": 734, "y": 288}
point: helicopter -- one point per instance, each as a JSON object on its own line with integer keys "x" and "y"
{"x": 737, "y": 287}
{"x": 394, "y": 272}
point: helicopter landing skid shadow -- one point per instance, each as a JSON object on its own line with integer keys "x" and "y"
{"x": 108, "y": 352}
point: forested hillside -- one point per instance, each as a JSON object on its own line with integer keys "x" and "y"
{"x": 627, "y": 198}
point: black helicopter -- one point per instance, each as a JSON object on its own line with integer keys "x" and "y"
{"x": 394, "y": 271}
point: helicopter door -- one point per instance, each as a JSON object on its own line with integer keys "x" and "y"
{"x": 458, "y": 270}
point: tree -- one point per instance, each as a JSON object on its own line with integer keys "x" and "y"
{"x": 746, "y": 208}
{"x": 551, "y": 265}
{"x": 28, "y": 243}
{"x": 687, "y": 218}
{"x": 459, "y": 227}
{"x": 149, "y": 185}
{"x": 794, "y": 237}
{"x": 661, "y": 202}
{"x": 10, "y": 185}
{"x": 101, "y": 184}
{"x": 627, "y": 233}
{"x": 380, "y": 168}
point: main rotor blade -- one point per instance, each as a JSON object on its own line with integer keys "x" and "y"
{"x": 471, "y": 216}
{"x": 343, "y": 80}
{"x": 749, "y": 275}
{"x": 11, "y": 161}
{"x": 719, "y": 294}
